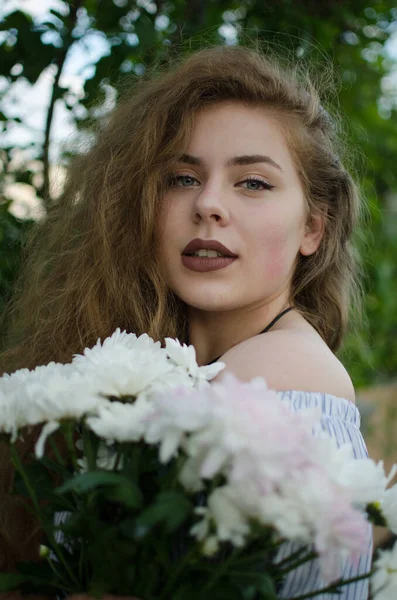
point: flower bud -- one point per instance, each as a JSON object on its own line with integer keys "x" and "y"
{"x": 44, "y": 551}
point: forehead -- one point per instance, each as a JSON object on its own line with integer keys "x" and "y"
{"x": 235, "y": 128}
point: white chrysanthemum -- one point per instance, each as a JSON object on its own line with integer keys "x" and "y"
{"x": 384, "y": 579}
{"x": 176, "y": 414}
{"x": 9, "y": 382}
{"x": 49, "y": 393}
{"x": 185, "y": 356}
{"x": 123, "y": 371}
{"x": 121, "y": 422}
{"x": 389, "y": 508}
{"x": 363, "y": 479}
{"x": 8, "y": 415}
{"x": 177, "y": 377}
{"x": 119, "y": 339}
{"x": 12, "y": 379}
{"x": 230, "y": 523}
{"x": 57, "y": 396}
{"x": 285, "y": 515}
{"x": 250, "y": 431}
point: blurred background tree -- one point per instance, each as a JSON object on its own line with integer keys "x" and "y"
{"x": 134, "y": 35}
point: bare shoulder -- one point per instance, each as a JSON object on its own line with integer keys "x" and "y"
{"x": 290, "y": 360}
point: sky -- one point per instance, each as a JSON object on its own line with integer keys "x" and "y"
{"x": 77, "y": 67}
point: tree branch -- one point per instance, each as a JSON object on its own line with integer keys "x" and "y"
{"x": 59, "y": 62}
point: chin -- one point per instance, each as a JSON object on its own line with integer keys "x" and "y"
{"x": 207, "y": 304}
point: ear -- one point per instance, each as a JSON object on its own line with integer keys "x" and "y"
{"x": 314, "y": 231}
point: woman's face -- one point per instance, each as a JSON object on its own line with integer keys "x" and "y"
{"x": 254, "y": 206}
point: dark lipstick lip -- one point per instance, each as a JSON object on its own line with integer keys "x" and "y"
{"x": 198, "y": 244}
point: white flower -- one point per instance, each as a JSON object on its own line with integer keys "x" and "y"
{"x": 364, "y": 480}
{"x": 189, "y": 475}
{"x": 185, "y": 356}
{"x": 13, "y": 379}
{"x": 121, "y": 422}
{"x": 58, "y": 397}
{"x": 175, "y": 414}
{"x": 389, "y": 508}
{"x": 8, "y": 415}
{"x": 230, "y": 523}
{"x": 250, "y": 431}
{"x": 384, "y": 579}
{"x": 47, "y": 430}
{"x": 49, "y": 393}
{"x": 118, "y": 339}
{"x": 171, "y": 380}
{"x": 285, "y": 515}
{"x": 106, "y": 458}
{"x": 123, "y": 371}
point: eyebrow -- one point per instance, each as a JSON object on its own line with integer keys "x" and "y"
{"x": 245, "y": 159}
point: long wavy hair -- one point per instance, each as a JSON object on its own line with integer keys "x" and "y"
{"x": 91, "y": 264}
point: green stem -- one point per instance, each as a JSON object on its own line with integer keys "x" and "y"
{"x": 333, "y": 587}
{"x": 291, "y": 557}
{"x": 19, "y": 466}
{"x": 56, "y": 572}
{"x": 174, "y": 576}
{"x": 163, "y": 557}
{"x": 298, "y": 563}
{"x": 56, "y": 451}
{"x": 263, "y": 555}
{"x": 222, "y": 569}
{"x": 119, "y": 456}
{"x": 88, "y": 450}
{"x": 48, "y": 532}
{"x": 68, "y": 433}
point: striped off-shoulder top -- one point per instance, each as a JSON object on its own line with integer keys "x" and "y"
{"x": 341, "y": 420}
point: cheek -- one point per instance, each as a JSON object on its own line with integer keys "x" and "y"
{"x": 277, "y": 250}
{"x": 168, "y": 224}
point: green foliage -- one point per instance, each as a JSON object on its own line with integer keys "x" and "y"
{"x": 352, "y": 36}
{"x": 13, "y": 233}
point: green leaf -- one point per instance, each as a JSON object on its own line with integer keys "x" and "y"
{"x": 260, "y": 582}
{"x": 11, "y": 581}
{"x": 144, "y": 28}
{"x": 36, "y": 571}
{"x": 55, "y": 467}
{"x": 129, "y": 496}
{"x": 186, "y": 590}
{"x": 170, "y": 508}
{"x": 85, "y": 482}
{"x": 224, "y": 591}
{"x": 126, "y": 491}
{"x": 37, "y": 475}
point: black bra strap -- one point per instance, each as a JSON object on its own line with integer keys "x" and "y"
{"x": 276, "y": 319}
{"x": 263, "y": 330}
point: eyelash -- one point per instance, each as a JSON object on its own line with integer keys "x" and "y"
{"x": 266, "y": 185}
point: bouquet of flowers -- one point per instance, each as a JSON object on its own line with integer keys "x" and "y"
{"x": 172, "y": 487}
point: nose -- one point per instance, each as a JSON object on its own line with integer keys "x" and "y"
{"x": 210, "y": 205}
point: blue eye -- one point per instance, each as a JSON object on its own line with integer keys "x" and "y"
{"x": 174, "y": 179}
{"x": 265, "y": 184}
{"x": 180, "y": 180}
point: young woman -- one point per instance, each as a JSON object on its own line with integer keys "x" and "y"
{"x": 214, "y": 207}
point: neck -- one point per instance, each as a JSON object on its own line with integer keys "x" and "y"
{"x": 212, "y": 333}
